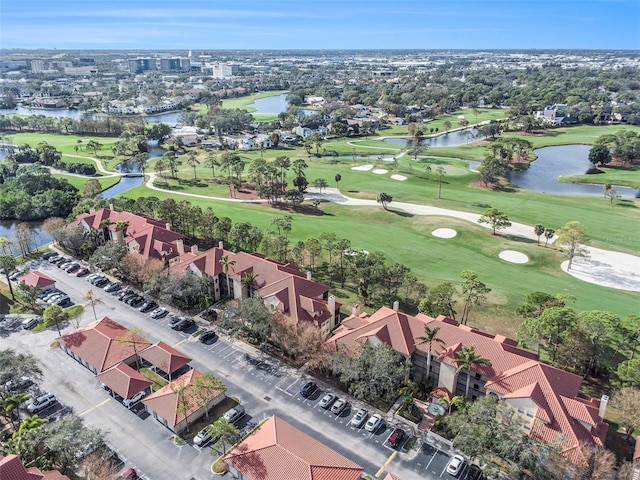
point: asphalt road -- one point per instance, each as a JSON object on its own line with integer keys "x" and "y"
{"x": 264, "y": 386}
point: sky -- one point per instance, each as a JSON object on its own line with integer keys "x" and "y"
{"x": 320, "y": 24}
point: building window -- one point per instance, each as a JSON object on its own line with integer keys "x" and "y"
{"x": 521, "y": 410}
{"x": 475, "y": 386}
{"x": 529, "y": 414}
{"x": 478, "y": 376}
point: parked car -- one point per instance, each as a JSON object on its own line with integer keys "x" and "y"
{"x": 62, "y": 301}
{"x": 327, "y": 400}
{"x": 65, "y": 264}
{"x": 136, "y": 301}
{"x": 42, "y": 402}
{"x": 75, "y": 267}
{"x": 55, "y": 258}
{"x": 129, "y": 402}
{"x": 129, "y": 474}
{"x": 474, "y": 472}
{"x": 396, "y": 437}
{"x": 29, "y": 323}
{"x": 51, "y": 293}
{"x": 112, "y": 287}
{"x": 308, "y": 388}
{"x": 18, "y": 384}
{"x": 47, "y": 255}
{"x": 338, "y": 406}
{"x": 207, "y": 335}
{"x": 183, "y": 324}
{"x": 359, "y": 418}
{"x": 82, "y": 272}
{"x": 91, "y": 277}
{"x": 101, "y": 282}
{"x": 203, "y": 437}
{"x": 374, "y": 423}
{"x": 159, "y": 313}
{"x": 174, "y": 319}
{"x": 15, "y": 275}
{"x": 455, "y": 465}
{"x": 234, "y": 414}
{"x": 126, "y": 296}
{"x": 54, "y": 298}
{"x": 148, "y": 306}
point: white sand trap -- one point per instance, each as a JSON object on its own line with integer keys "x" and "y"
{"x": 513, "y": 256}
{"x": 386, "y": 159}
{"x": 363, "y": 168}
{"x": 444, "y": 233}
{"x": 402, "y": 178}
{"x": 607, "y": 268}
{"x": 350, "y": 252}
{"x": 380, "y": 171}
{"x": 460, "y": 117}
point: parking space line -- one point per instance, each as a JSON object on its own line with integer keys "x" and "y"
{"x": 180, "y": 342}
{"x": 95, "y": 407}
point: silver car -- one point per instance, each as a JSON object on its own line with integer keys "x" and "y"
{"x": 234, "y": 414}
{"x": 338, "y": 406}
{"x": 374, "y": 423}
{"x": 359, "y": 418}
{"x": 42, "y": 402}
{"x": 327, "y": 400}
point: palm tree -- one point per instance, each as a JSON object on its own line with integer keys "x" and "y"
{"x": 192, "y": 161}
{"x": 212, "y": 162}
{"x": 466, "y": 359}
{"x": 248, "y": 281}
{"x": 430, "y": 337}
{"x": 224, "y": 432}
{"x": 226, "y": 264}
{"x": 93, "y": 301}
{"x": 457, "y": 401}
{"x": 384, "y": 199}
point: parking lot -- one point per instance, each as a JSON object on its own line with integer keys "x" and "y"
{"x": 263, "y": 385}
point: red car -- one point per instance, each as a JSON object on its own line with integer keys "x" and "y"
{"x": 395, "y": 439}
{"x": 129, "y": 474}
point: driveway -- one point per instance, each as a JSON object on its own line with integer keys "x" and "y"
{"x": 264, "y": 386}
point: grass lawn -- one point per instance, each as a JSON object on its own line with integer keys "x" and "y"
{"x": 80, "y": 182}
{"x": 613, "y": 176}
{"x": 158, "y": 381}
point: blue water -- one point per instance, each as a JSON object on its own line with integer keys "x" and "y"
{"x": 7, "y": 228}
{"x": 451, "y": 139}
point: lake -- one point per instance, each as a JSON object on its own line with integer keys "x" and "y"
{"x": 451, "y": 139}
{"x": 553, "y": 162}
{"x": 7, "y": 227}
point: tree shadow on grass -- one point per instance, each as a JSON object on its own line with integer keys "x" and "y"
{"x": 516, "y": 238}
{"x": 194, "y": 182}
{"x": 626, "y": 204}
{"x": 402, "y": 213}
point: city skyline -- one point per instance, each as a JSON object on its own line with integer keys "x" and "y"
{"x": 330, "y": 24}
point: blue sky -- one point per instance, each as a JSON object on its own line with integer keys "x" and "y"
{"x": 314, "y": 24}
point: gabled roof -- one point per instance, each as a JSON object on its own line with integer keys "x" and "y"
{"x": 165, "y": 357}
{"x": 36, "y": 279}
{"x": 513, "y": 373}
{"x": 560, "y": 411}
{"x": 165, "y": 401}
{"x": 124, "y": 380}
{"x": 390, "y": 477}
{"x": 12, "y": 468}
{"x": 278, "y": 451}
{"x": 97, "y": 343}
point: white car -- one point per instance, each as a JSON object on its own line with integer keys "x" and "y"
{"x": 234, "y": 414}
{"x": 338, "y": 406}
{"x": 42, "y": 402}
{"x": 373, "y": 424}
{"x": 455, "y": 465}
{"x": 359, "y": 418}
{"x": 203, "y": 437}
{"x": 129, "y": 402}
{"x": 327, "y": 400}
{"x": 29, "y": 323}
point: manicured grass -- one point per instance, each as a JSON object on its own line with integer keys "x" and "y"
{"x": 613, "y": 176}
{"x": 80, "y": 182}
{"x": 158, "y": 381}
{"x": 74, "y": 311}
{"x": 245, "y": 101}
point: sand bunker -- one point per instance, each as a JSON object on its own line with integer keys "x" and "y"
{"x": 364, "y": 168}
{"x": 380, "y": 171}
{"x": 513, "y": 256}
{"x": 401, "y": 178}
{"x": 444, "y": 233}
{"x": 609, "y": 269}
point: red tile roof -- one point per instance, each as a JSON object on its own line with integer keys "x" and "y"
{"x": 124, "y": 380}
{"x": 513, "y": 373}
{"x": 98, "y": 343}
{"x": 636, "y": 453}
{"x": 278, "y": 451}
{"x": 12, "y": 468}
{"x": 148, "y": 237}
{"x": 282, "y": 285}
{"x": 165, "y": 401}
{"x": 390, "y": 477}
{"x": 165, "y": 357}
{"x": 36, "y": 279}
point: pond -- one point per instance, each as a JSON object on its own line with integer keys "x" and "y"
{"x": 553, "y": 162}
{"x": 274, "y": 105}
{"x": 7, "y": 228}
{"x": 450, "y": 139}
{"x": 169, "y": 117}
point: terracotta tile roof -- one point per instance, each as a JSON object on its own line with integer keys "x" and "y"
{"x": 513, "y": 373}
{"x": 279, "y": 451}
{"x": 97, "y": 343}
{"x": 282, "y": 285}
{"x": 636, "y": 453}
{"x": 148, "y": 237}
{"x": 124, "y": 380}
{"x": 555, "y": 392}
{"x": 390, "y": 477}
{"x": 12, "y": 468}
{"x": 165, "y": 401}
{"x": 165, "y": 357}
{"x": 36, "y": 279}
